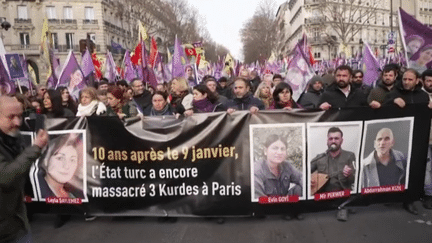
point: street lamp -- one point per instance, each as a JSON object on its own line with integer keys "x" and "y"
{"x": 361, "y": 46}
{"x": 4, "y": 25}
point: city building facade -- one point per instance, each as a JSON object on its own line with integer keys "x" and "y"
{"x": 71, "y": 22}
{"x": 334, "y": 27}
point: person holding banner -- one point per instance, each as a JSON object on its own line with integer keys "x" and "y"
{"x": 160, "y": 105}
{"x": 244, "y": 99}
{"x": 181, "y": 98}
{"x": 205, "y": 101}
{"x": 378, "y": 94}
{"x": 341, "y": 93}
{"x": 90, "y": 105}
{"x": 15, "y": 163}
{"x": 384, "y": 166}
{"x": 141, "y": 96}
{"x": 59, "y": 167}
{"x": 117, "y": 105}
{"x": 276, "y": 176}
{"x": 282, "y": 98}
{"x": 410, "y": 92}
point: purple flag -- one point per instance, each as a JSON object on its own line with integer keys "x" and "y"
{"x": 87, "y": 66}
{"x": 6, "y": 85}
{"x": 417, "y": 41}
{"x": 299, "y": 72}
{"x": 177, "y": 67}
{"x": 110, "y": 68}
{"x": 71, "y": 76}
{"x": 129, "y": 70}
{"x": 371, "y": 66}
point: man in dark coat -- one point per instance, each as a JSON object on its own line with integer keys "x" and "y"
{"x": 341, "y": 94}
{"x": 410, "y": 92}
{"x": 310, "y": 99}
{"x": 15, "y": 163}
{"x": 244, "y": 99}
{"x": 141, "y": 96}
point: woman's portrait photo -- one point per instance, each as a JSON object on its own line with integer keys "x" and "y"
{"x": 61, "y": 168}
{"x": 277, "y": 160}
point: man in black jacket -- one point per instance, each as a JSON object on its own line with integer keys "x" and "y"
{"x": 341, "y": 93}
{"x": 410, "y": 92}
{"x": 244, "y": 99}
{"x": 15, "y": 163}
{"x": 141, "y": 96}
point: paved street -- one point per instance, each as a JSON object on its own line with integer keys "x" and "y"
{"x": 376, "y": 223}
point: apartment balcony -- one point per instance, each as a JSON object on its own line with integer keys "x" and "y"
{"x": 315, "y": 20}
{"x": 90, "y": 21}
{"x": 65, "y": 48}
{"x": 23, "y": 24}
{"x": 88, "y": 24}
{"x": 23, "y": 21}
{"x": 316, "y": 40}
{"x": 69, "y": 21}
{"x": 54, "y": 21}
{"x": 23, "y": 49}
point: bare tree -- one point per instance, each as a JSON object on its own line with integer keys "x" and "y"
{"x": 346, "y": 18}
{"x": 258, "y": 34}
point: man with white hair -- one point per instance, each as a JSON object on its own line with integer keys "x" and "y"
{"x": 384, "y": 166}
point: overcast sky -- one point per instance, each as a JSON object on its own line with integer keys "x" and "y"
{"x": 225, "y": 18}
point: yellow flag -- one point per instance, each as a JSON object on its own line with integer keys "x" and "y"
{"x": 45, "y": 43}
{"x": 229, "y": 61}
{"x": 343, "y": 48}
{"x": 142, "y": 31}
{"x": 272, "y": 58}
{"x": 169, "y": 55}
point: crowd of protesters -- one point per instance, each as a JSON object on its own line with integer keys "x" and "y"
{"x": 184, "y": 96}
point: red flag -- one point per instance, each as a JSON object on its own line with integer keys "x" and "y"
{"x": 137, "y": 54}
{"x": 198, "y": 60}
{"x": 190, "y": 51}
{"x": 98, "y": 65}
{"x": 153, "y": 52}
{"x": 311, "y": 58}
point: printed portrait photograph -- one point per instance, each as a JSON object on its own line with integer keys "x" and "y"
{"x": 333, "y": 156}
{"x": 277, "y": 158}
{"x": 29, "y": 188}
{"x": 14, "y": 65}
{"x": 386, "y": 152}
{"x": 61, "y": 169}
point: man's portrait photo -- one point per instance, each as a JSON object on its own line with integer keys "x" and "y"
{"x": 385, "y": 152}
{"x": 277, "y": 160}
{"x": 333, "y": 150}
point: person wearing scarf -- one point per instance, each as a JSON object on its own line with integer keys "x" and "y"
{"x": 181, "y": 99}
{"x": 282, "y": 96}
{"x": 90, "y": 105}
{"x": 160, "y": 105}
{"x": 205, "y": 100}
{"x": 263, "y": 93}
{"x": 117, "y": 103}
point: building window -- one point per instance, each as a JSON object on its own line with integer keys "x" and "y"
{"x": 51, "y": 12}
{"x": 22, "y": 12}
{"x": 67, "y": 13}
{"x": 69, "y": 41}
{"x": 54, "y": 38}
{"x": 89, "y": 13}
{"x": 25, "y": 39}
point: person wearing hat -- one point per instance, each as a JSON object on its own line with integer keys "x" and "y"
{"x": 310, "y": 98}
